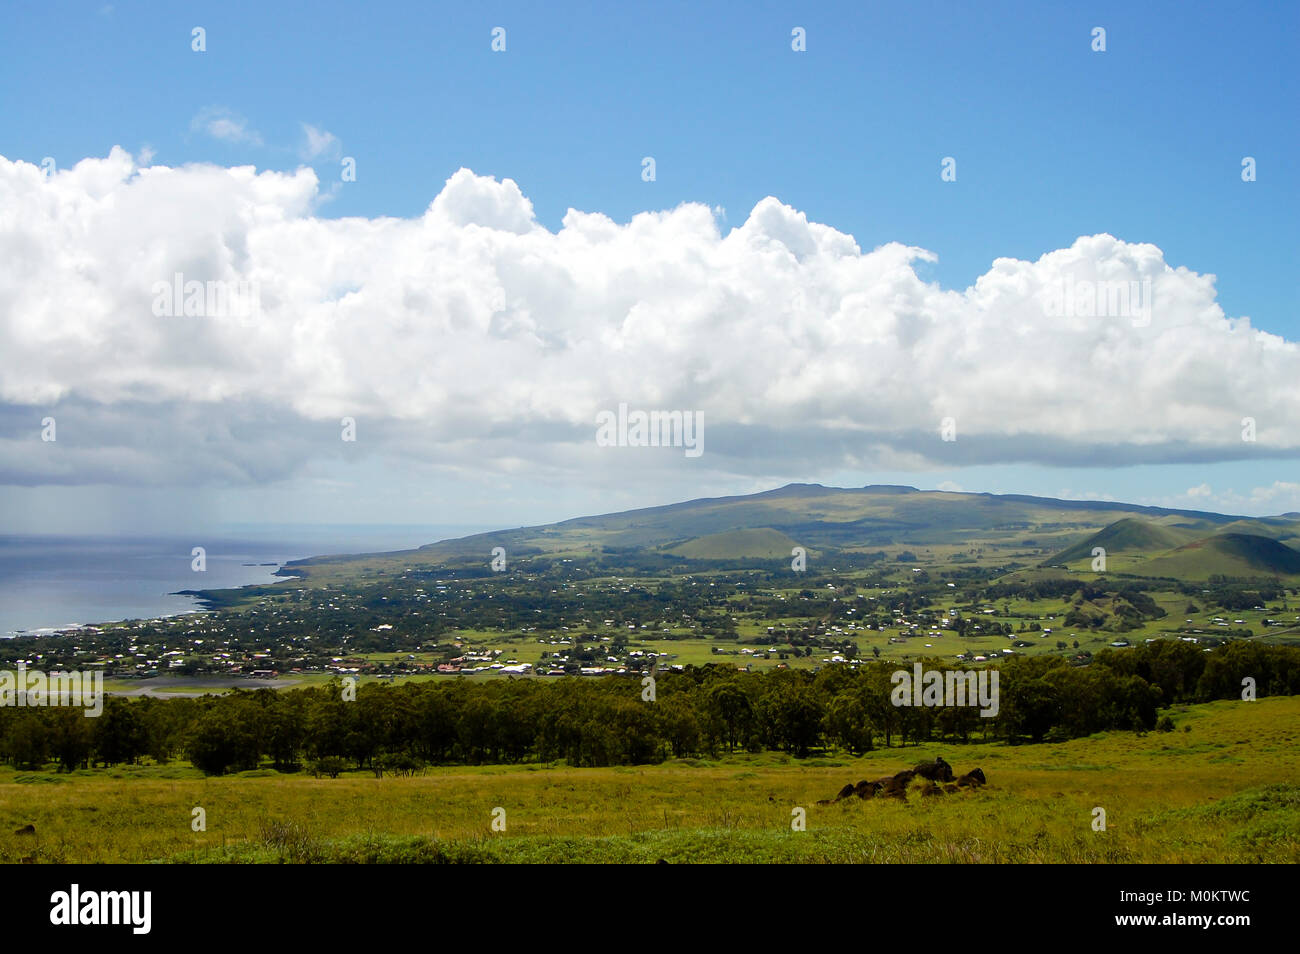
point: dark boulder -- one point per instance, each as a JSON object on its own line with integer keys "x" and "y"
{"x": 936, "y": 771}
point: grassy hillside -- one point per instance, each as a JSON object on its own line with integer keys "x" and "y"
{"x": 809, "y": 515}
{"x": 1221, "y": 788}
{"x": 1126, "y": 538}
{"x": 1274, "y": 529}
{"x": 1283, "y": 529}
{"x": 1190, "y": 550}
{"x": 1228, "y": 554}
{"x": 760, "y": 543}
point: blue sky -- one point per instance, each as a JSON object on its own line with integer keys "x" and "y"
{"x": 1052, "y": 141}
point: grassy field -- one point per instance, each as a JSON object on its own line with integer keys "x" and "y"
{"x": 1223, "y": 787}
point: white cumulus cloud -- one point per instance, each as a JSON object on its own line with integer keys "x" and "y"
{"x": 474, "y": 339}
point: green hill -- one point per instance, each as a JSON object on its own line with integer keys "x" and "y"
{"x": 758, "y": 543}
{"x": 1228, "y": 554}
{"x": 1284, "y": 529}
{"x": 1274, "y": 529}
{"x": 1129, "y": 537}
{"x": 822, "y": 519}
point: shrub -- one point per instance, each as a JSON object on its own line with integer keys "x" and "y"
{"x": 330, "y": 765}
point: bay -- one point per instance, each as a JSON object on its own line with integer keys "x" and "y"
{"x": 50, "y": 582}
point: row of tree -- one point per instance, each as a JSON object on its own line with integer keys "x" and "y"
{"x": 610, "y": 721}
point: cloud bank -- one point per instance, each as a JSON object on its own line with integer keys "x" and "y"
{"x": 473, "y": 339}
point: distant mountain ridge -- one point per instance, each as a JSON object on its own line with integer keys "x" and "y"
{"x": 910, "y": 510}
{"x": 766, "y": 524}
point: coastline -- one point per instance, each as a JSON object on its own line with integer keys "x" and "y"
{"x": 58, "y": 583}
{"x": 57, "y": 587}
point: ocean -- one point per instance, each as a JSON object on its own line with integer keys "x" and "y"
{"x": 54, "y": 582}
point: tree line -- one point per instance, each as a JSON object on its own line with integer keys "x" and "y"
{"x": 700, "y": 712}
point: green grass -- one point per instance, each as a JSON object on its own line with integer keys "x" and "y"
{"x": 756, "y": 543}
{"x": 1224, "y": 791}
{"x": 1128, "y": 537}
{"x": 1229, "y": 554}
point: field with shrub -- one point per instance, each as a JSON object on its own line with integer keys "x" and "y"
{"x": 1221, "y": 787}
